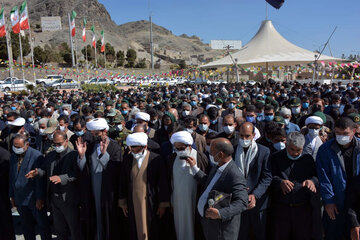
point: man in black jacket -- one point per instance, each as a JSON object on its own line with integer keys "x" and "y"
{"x": 294, "y": 183}
{"x": 222, "y": 223}
{"x": 353, "y": 208}
{"x": 60, "y": 172}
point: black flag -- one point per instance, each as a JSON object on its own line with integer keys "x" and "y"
{"x": 276, "y": 3}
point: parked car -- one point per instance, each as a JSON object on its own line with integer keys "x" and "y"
{"x": 64, "y": 84}
{"x": 100, "y": 81}
{"x": 7, "y": 79}
{"x": 50, "y": 79}
{"x": 15, "y": 85}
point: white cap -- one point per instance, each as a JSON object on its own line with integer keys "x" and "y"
{"x": 19, "y": 122}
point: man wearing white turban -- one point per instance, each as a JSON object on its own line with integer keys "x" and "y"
{"x": 99, "y": 165}
{"x": 312, "y": 138}
{"x": 144, "y": 118}
{"x": 144, "y": 189}
{"x": 184, "y": 186}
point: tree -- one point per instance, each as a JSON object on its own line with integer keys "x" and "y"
{"x": 16, "y": 45}
{"x": 65, "y": 53}
{"x": 120, "y": 58}
{"x": 90, "y": 52}
{"x": 39, "y": 55}
{"x": 141, "y": 63}
{"x": 110, "y": 52}
{"x": 182, "y": 64}
{"x": 98, "y": 46}
{"x": 130, "y": 58}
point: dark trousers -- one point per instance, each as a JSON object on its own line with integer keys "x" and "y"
{"x": 253, "y": 225}
{"x": 292, "y": 223}
{"x": 334, "y": 229}
{"x": 66, "y": 218}
{"x": 30, "y": 216}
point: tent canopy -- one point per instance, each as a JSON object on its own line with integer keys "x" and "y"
{"x": 269, "y": 47}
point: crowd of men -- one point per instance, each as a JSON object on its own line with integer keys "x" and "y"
{"x": 237, "y": 161}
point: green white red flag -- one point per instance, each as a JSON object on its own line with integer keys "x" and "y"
{"x": 2, "y": 24}
{"x": 93, "y": 36}
{"x": 15, "y": 20}
{"x": 102, "y": 41}
{"x": 72, "y": 24}
{"x": 84, "y": 31}
{"x": 24, "y": 16}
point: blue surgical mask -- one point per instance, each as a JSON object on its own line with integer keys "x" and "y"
{"x": 231, "y": 106}
{"x": 213, "y": 121}
{"x": 231, "y": 95}
{"x": 293, "y": 158}
{"x": 250, "y": 119}
{"x": 279, "y": 146}
{"x": 203, "y": 127}
{"x": 124, "y": 112}
{"x": 13, "y": 108}
{"x": 305, "y": 105}
{"x": 269, "y": 118}
{"x": 79, "y": 133}
{"x": 335, "y": 105}
{"x": 193, "y": 103}
{"x": 30, "y": 120}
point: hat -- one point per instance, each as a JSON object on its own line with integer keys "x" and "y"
{"x": 118, "y": 119}
{"x": 321, "y": 115}
{"x": 51, "y": 126}
{"x": 111, "y": 113}
{"x": 314, "y": 120}
{"x": 355, "y": 117}
{"x": 142, "y": 116}
{"x": 237, "y": 95}
{"x": 219, "y": 100}
{"x": 109, "y": 103}
{"x": 295, "y": 102}
{"x": 137, "y": 139}
{"x": 171, "y": 116}
{"x": 210, "y": 106}
{"x": 19, "y": 122}
{"x": 279, "y": 120}
{"x": 97, "y": 124}
{"x": 182, "y": 137}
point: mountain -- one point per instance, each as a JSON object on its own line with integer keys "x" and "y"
{"x": 169, "y": 47}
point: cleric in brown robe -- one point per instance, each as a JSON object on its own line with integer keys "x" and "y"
{"x": 143, "y": 184}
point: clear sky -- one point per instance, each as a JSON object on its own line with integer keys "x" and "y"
{"x": 306, "y": 23}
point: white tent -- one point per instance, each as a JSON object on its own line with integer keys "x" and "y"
{"x": 268, "y": 47}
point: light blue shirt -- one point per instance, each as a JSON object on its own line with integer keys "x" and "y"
{"x": 204, "y": 196}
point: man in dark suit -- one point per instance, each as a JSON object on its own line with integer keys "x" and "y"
{"x": 26, "y": 194}
{"x": 6, "y": 224}
{"x": 222, "y": 223}
{"x": 253, "y": 161}
{"x": 353, "y": 208}
{"x": 60, "y": 172}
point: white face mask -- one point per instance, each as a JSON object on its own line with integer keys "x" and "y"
{"x": 343, "y": 139}
{"x": 185, "y": 113}
{"x": 189, "y": 130}
{"x": 62, "y": 128}
{"x": 18, "y": 151}
{"x": 245, "y": 143}
{"x": 59, "y": 149}
{"x": 229, "y": 129}
{"x": 120, "y": 127}
{"x": 41, "y": 132}
{"x": 296, "y": 110}
{"x": 49, "y": 109}
{"x": 212, "y": 160}
{"x": 66, "y": 112}
{"x": 313, "y": 133}
{"x": 287, "y": 121}
{"x": 139, "y": 155}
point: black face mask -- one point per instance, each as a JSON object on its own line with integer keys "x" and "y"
{"x": 97, "y": 139}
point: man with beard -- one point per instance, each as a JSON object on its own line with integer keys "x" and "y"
{"x": 99, "y": 164}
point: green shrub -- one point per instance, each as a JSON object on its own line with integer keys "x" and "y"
{"x": 98, "y": 87}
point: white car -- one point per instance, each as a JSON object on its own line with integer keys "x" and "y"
{"x": 15, "y": 85}
{"x": 65, "y": 84}
{"x": 100, "y": 81}
{"x": 49, "y": 80}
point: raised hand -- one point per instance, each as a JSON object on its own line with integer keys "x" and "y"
{"x": 81, "y": 147}
{"x": 104, "y": 145}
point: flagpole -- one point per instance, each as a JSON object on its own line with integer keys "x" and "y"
{"x": 9, "y": 49}
{"x": 21, "y": 56}
{"x": 104, "y": 52}
{"x": 71, "y": 43}
{"x": 31, "y": 48}
{"x": 95, "y": 47}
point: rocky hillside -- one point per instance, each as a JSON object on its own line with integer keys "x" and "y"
{"x": 168, "y": 46}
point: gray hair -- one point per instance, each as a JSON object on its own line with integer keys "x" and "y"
{"x": 43, "y": 121}
{"x": 296, "y": 139}
{"x": 285, "y": 111}
{"x": 68, "y": 106}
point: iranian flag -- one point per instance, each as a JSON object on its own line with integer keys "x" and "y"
{"x": 72, "y": 24}
{"x": 93, "y": 36}
{"x": 24, "y": 17}
{"x": 15, "y": 23}
{"x": 102, "y": 42}
{"x": 2, "y": 24}
{"x": 84, "y": 31}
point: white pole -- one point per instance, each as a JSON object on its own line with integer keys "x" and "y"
{"x": 71, "y": 43}
{"x": 32, "y": 48}
{"x": 21, "y": 57}
{"x": 9, "y": 50}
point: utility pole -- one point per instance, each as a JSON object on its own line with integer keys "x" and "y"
{"x": 151, "y": 43}
{"x": 228, "y": 47}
